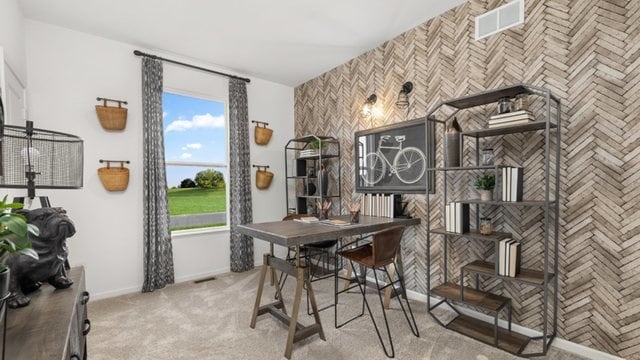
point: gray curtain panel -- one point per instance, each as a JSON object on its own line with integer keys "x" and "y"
{"x": 158, "y": 252}
{"x": 239, "y": 176}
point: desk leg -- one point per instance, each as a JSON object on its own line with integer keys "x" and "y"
{"x": 263, "y": 274}
{"x": 273, "y": 272}
{"x": 314, "y": 308}
{"x": 294, "y": 312}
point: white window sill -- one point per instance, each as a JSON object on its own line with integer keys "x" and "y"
{"x": 211, "y": 230}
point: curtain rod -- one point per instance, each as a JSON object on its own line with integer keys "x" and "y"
{"x": 140, "y": 53}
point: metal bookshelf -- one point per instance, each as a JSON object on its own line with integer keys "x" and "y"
{"x": 297, "y": 169}
{"x": 457, "y": 294}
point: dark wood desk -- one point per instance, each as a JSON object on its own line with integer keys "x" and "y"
{"x": 295, "y": 234}
{"x": 54, "y": 326}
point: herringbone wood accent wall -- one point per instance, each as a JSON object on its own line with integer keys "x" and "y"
{"x": 587, "y": 53}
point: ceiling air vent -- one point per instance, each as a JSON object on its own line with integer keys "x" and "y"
{"x": 499, "y": 19}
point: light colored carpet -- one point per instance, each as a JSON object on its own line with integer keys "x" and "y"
{"x": 211, "y": 321}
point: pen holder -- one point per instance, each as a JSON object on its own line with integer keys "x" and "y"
{"x": 355, "y": 217}
{"x": 324, "y": 214}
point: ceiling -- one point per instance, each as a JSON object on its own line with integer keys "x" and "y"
{"x": 286, "y": 41}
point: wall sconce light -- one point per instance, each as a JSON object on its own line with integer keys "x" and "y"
{"x": 369, "y": 105}
{"x": 370, "y": 110}
{"x": 403, "y": 96}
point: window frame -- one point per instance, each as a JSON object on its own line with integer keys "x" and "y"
{"x": 210, "y": 165}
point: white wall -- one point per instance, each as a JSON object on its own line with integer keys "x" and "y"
{"x": 67, "y": 70}
{"x": 12, "y": 37}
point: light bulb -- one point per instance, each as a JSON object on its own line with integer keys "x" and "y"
{"x": 30, "y": 156}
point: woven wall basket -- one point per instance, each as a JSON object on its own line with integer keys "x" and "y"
{"x": 114, "y": 178}
{"x": 112, "y": 117}
{"x": 263, "y": 179}
{"x": 262, "y": 133}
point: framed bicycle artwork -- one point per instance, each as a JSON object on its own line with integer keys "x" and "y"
{"x": 395, "y": 158}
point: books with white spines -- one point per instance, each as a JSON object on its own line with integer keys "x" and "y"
{"x": 447, "y": 219}
{"x": 504, "y": 184}
{"x": 502, "y": 263}
{"x": 452, "y": 210}
{"x": 511, "y": 119}
{"x": 510, "y": 114}
{"x": 505, "y": 256}
{"x": 511, "y": 123}
{"x": 514, "y": 249}
{"x": 458, "y": 217}
{"x": 516, "y": 184}
{"x": 392, "y": 204}
{"x": 508, "y": 184}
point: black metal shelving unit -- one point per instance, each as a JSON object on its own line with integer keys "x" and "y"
{"x": 298, "y": 178}
{"x": 546, "y": 280}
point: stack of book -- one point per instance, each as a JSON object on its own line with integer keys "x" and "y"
{"x": 511, "y": 118}
{"x": 509, "y": 258}
{"x": 381, "y": 205}
{"x": 512, "y": 184}
{"x": 309, "y": 153}
{"x": 456, "y": 217}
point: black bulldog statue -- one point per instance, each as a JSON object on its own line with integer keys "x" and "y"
{"x": 27, "y": 273}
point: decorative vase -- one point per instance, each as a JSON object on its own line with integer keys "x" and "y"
{"x": 323, "y": 176}
{"x": 486, "y": 195}
{"x": 453, "y": 144}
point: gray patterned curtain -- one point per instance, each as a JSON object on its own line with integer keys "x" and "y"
{"x": 158, "y": 252}
{"x": 239, "y": 176}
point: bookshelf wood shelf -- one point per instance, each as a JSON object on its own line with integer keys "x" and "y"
{"x": 527, "y": 276}
{"x": 485, "y": 300}
{"x": 452, "y": 288}
{"x": 509, "y": 341}
{"x": 473, "y": 234}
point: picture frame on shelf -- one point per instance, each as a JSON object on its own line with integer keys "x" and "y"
{"x": 394, "y": 158}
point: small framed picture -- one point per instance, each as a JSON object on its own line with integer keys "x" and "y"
{"x": 395, "y": 158}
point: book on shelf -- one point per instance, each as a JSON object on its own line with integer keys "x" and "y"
{"x": 380, "y": 205}
{"x": 508, "y": 119}
{"x": 508, "y": 258}
{"x": 457, "y": 217}
{"x": 510, "y": 114}
{"x": 512, "y": 181}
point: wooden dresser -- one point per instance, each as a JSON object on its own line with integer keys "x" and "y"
{"x": 54, "y": 326}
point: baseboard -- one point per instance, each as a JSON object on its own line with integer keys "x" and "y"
{"x": 559, "y": 343}
{"x": 137, "y": 289}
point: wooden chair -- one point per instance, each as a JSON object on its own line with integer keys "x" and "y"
{"x": 378, "y": 255}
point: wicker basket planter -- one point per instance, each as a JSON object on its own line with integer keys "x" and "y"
{"x": 112, "y": 117}
{"x": 262, "y": 133}
{"x": 263, "y": 177}
{"x": 114, "y": 178}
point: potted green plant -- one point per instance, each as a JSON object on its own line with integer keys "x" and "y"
{"x": 14, "y": 239}
{"x": 485, "y": 185}
{"x": 316, "y": 144}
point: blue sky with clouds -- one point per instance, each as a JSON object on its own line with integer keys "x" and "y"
{"x": 194, "y": 130}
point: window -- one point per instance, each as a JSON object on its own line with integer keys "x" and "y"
{"x": 195, "y": 146}
{"x": 499, "y": 19}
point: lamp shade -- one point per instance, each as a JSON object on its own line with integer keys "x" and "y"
{"x": 53, "y": 160}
